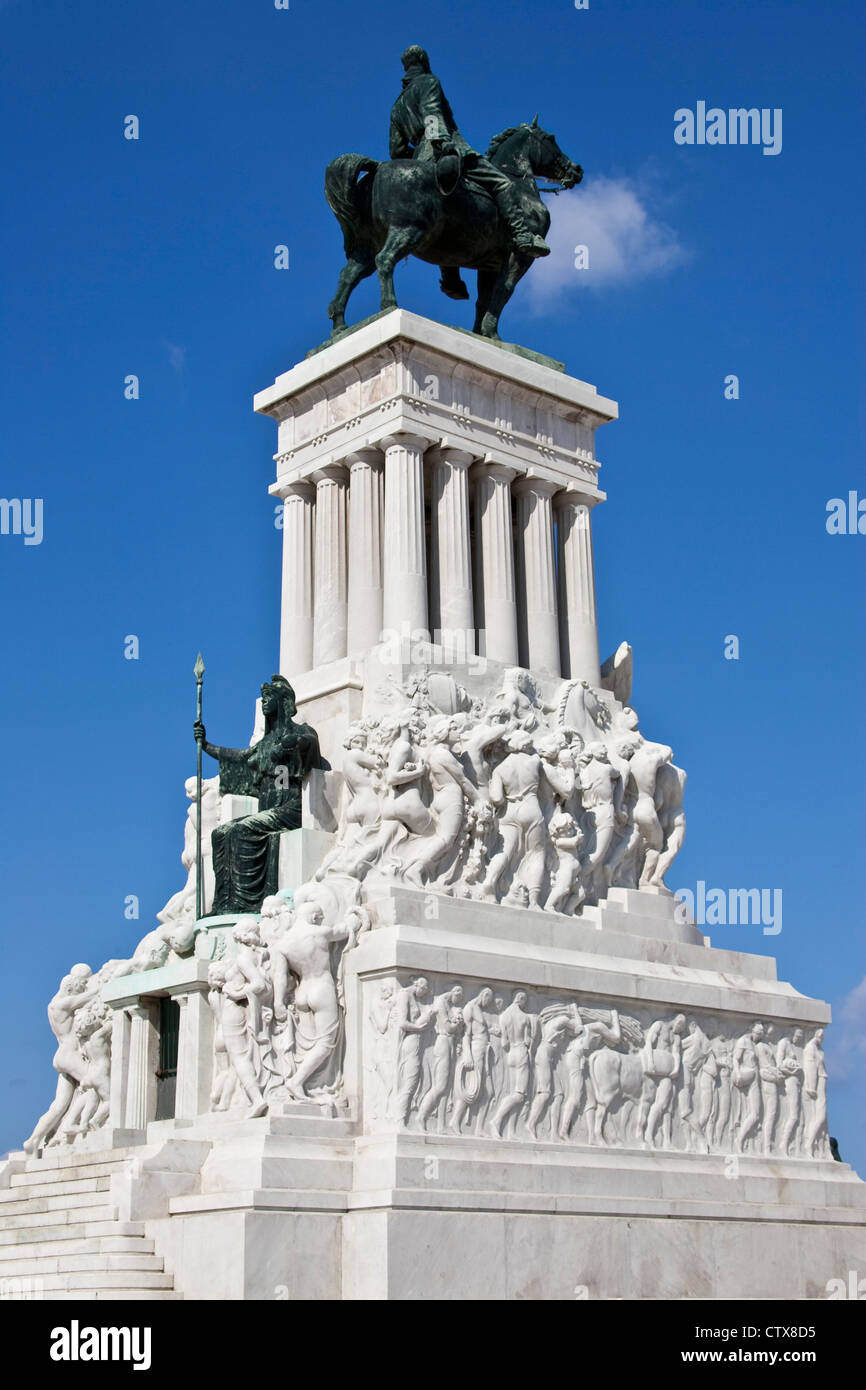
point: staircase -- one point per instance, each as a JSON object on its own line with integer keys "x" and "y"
{"x": 65, "y": 1227}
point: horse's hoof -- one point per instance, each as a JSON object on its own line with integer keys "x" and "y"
{"x": 454, "y": 289}
{"x": 488, "y": 329}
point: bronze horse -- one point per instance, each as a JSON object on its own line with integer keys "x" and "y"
{"x": 394, "y": 209}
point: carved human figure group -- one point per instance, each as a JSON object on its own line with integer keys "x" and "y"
{"x": 463, "y": 1061}
{"x": 277, "y": 1003}
{"x": 508, "y": 799}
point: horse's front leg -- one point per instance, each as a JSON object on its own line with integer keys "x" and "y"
{"x": 401, "y": 242}
{"x": 357, "y": 268}
{"x": 503, "y": 288}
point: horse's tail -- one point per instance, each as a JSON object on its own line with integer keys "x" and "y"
{"x": 349, "y": 191}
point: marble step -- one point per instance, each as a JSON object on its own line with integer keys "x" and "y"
{"x": 11, "y": 1196}
{"x": 82, "y": 1172}
{"x": 62, "y": 1202}
{"x": 278, "y": 1199}
{"x": 105, "y": 1225}
{"x": 71, "y": 1158}
{"x": 107, "y": 1280}
{"x": 434, "y": 1197}
{"x": 78, "y": 1263}
{"x": 84, "y": 1245}
{"x": 112, "y": 1295}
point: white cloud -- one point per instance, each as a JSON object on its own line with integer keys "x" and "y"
{"x": 625, "y": 240}
{"x": 847, "y": 1039}
{"x": 177, "y": 358}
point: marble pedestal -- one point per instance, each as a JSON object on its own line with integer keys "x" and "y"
{"x": 349, "y": 1200}
{"x": 516, "y": 1103}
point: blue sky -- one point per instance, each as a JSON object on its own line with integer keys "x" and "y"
{"x": 155, "y": 257}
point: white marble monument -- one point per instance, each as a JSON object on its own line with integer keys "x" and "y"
{"x": 473, "y": 1048}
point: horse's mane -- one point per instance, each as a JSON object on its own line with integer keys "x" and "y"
{"x": 499, "y": 140}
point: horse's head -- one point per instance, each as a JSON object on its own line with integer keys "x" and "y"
{"x": 548, "y": 160}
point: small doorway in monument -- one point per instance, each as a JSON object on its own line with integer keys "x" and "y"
{"x": 166, "y": 1072}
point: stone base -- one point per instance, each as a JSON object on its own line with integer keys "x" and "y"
{"x": 373, "y": 1194}
{"x": 300, "y": 1207}
{"x": 438, "y": 1218}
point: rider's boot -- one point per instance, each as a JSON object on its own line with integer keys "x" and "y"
{"x": 524, "y": 240}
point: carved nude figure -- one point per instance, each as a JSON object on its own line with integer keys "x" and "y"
{"x": 556, "y": 1024}
{"x": 516, "y": 696}
{"x": 239, "y": 1017}
{"x": 670, "y": 788}
{"x": 90, "y": 1104}
{"x": 788, "y": 1057}
{"x": 815, "y": 1086}
{"x": 450, "y": 787}
{"x": 662, "y": 1059}
{"x": 698, "y": 1075}
{"x": 225, "y": 1077}
{"x": 518, "y": 1033}
{"x": 719, "y": 1121}
{"x": 473, "y": 1088}
{"x": 481, "y": 740}
{"x": 645, "y": 763}
{"x": 381, "y": 1017}
{"x": 403, "y": 811}
{"x": 362, "y": 817}
{"x": 566, "y": 891}
{"x": 621, "y": 869}
{"x": 771, "y": 1079}
{"x": 746, "y": 1078}
{"x": 179, "y": 914}
{"x": 77, "y": 989}
{"x": 304, "y": 942}
{"x": 413, "y": 1018}
{"x": 515, "y": 785}
{"x": 602, "y": 794}
{"x": 447, "y": 1024}
{"x": 579, "y": 1088}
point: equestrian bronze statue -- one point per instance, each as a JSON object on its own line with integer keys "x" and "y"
{"x": 440, "y": 200}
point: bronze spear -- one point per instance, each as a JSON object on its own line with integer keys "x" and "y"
{"x": 199, "y": 677}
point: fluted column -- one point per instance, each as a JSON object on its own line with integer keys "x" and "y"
{"x": 495, "y": 606}
{"x": 450, "y": 550}
{"x": 537, "y": 626}
{"x": 405, "y": 549}
{"x": 141, "y": 1077}
{"x": 194, "y": 1054}
{"x": 120, "y": 1036}
{"x": 331, "y": 566}
{"x": 296, "y": 619}
{"x": 577, "y": 620}
{"x": 366, "y": 494}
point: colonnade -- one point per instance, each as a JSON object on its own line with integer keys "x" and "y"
{"x": 507, "y": 563}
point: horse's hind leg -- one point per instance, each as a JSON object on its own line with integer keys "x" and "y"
{"x": 487, "y": 323}
{"x": 401, "y": 241}
{"x": 486, "y": 281}
{"x": 357, "y": 268}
